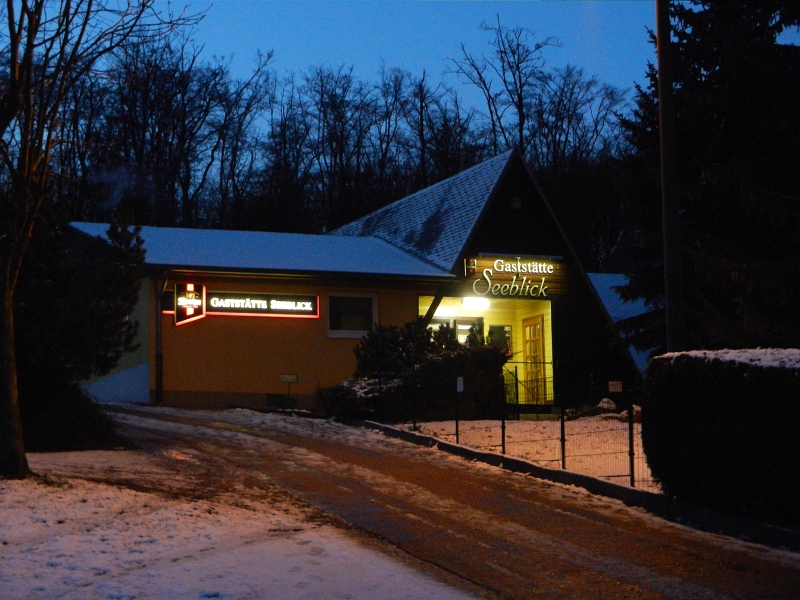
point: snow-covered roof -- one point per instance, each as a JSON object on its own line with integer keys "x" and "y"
{"x": 785, "y": 358}
{"x": 435, "y": 223}
{"x": 617, "y": 308}
{"x": 273, "y": 252}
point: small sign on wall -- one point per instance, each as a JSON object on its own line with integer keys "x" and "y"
{"x": 190, "y": 302}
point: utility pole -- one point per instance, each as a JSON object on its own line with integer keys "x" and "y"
{"x": 670, "y": 209}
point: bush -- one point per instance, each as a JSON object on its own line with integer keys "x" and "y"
{"x": 60, "y": 417}
{"x": 410, "y": 372}
{"x": 365, "y": 398}
{"x": 724, "y": 434}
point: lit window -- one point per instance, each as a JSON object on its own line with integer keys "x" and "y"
{"x": 351, "y": 316}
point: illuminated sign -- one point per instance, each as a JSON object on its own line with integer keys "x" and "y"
{"x": 190, "y": 304}
{"x": 515, "y": 277}
{"x": 242, "y": 304}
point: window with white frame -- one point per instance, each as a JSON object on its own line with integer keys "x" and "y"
{"x": 351, "y": 315}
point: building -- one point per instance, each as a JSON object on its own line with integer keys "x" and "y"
{"x": 235, "y": 318}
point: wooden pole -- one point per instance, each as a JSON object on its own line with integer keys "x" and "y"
{"x": 673, "y": 269}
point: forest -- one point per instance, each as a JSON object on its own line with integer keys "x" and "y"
{"x": 159, "y": 134}
{"x": 108, "y": 113}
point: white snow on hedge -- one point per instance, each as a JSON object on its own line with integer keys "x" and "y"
{"x": 784, "y": 358}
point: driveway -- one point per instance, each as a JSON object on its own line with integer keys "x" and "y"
{"x": 503, "y": 534}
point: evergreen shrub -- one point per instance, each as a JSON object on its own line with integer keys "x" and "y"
{"x": 58, "y": 416}
{"x": 410, "y": 372}
{"x": 724, "y": 434}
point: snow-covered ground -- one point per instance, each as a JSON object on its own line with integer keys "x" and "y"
{"x": 66, "y": 537}
{"x": 596, "y": 446}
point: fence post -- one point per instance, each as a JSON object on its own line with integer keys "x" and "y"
{"x": 630, "y": 440}
{"x": 459, "y": 389}
{"x": 413, "y": 397}
{"x": 563, "y": 441}
{"x": 503, "y": 426}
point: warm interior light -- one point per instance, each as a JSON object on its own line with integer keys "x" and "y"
{"x": 444, "y": 311}
{"x": 476, "y": 303}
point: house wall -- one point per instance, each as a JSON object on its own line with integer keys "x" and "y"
{"x": 128, "y": 381}
{"x": 223, "y": 361}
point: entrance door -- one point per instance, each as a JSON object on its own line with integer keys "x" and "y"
{"x": 533, "y": 355}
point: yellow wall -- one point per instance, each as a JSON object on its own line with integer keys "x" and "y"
{"x": 226, "y": 360}
{"x": 535, "y": 309}
{"x": 506, "y": 312}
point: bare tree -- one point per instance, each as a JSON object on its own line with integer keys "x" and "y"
{"x": 341, "y": 110}
{"x": 417, "y": 115}
{"x": 47, "y": 47}
{"x": 509, "y": 80}
{"x": 573, "y": 119}
{"x": 243, "y": 104}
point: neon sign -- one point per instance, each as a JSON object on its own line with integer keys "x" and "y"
{"x": 190, "y": 303}
{"x": 262, "y": 305}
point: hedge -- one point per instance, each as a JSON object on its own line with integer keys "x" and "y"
{"x": 723, "y": 433}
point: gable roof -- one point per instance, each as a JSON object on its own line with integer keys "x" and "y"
{"x": 435, "y": 224}
{"x": 259, "y": 251}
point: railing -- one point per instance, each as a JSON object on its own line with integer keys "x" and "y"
{"x": 602, "y": 442}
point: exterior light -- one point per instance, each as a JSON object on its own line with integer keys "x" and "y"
{"x": 476, "y": 303}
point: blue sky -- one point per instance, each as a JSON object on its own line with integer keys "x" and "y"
{"x": 607, "y": 38}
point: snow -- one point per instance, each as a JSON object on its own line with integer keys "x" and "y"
{"x": 128, "y": 386}
{"x": 595, "y": 446}
{"x": 66, "y": 537}
{"x": 269, "y": 251}
{"x": 69, "y": 537}
{"x": 618, "y": 309}
{"x": 784, "y": 358}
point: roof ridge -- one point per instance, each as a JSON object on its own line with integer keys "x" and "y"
{"x": 430, "y": 188}
{"x": 435, "y": 223}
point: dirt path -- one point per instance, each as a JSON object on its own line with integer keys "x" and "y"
{"x": 513, "y": 536}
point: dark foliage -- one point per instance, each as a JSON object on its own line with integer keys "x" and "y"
{"x": 723, "y": 435}
{"x": 737, "y": 103}
{"x": 410, "y": 372}
{"x": 58, "y": 416}
{"x": 73, "y": 306}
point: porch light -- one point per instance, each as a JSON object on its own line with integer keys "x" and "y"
{"x": 475, "y": 303}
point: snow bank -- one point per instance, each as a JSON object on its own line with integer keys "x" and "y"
{"x": 785, "y": 358}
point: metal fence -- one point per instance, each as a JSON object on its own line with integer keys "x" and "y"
{"x": 600, "y": 440}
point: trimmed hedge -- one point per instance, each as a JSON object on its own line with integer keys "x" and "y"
{"x": 724, "y": 434}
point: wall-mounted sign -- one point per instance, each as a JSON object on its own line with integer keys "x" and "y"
{"x": 243, "y": 304}
{"x": 515, "y": 277}
{"x": 189, "y": 302}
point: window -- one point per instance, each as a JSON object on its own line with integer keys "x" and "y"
{"x": 351, "y": 316}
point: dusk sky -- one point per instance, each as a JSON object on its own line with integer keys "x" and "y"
{"x": 607, "y": 38}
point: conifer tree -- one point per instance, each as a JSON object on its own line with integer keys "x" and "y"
{"x": 737, "y": 103}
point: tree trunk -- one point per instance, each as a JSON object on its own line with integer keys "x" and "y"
{"x": 13, "y": 462}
